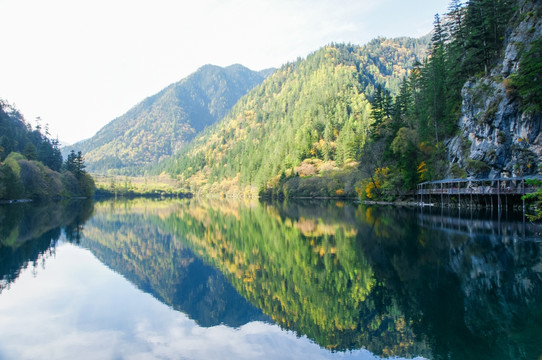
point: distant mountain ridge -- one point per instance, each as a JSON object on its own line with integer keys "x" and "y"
{"x": 309, "y": 118}
{"x": 162, "y": 124}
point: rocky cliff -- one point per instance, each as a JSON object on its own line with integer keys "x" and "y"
{"x": 496, "y": 137}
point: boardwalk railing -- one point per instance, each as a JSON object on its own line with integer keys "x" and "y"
{"x": 479, "y": 190}
{"x": 437, "y": 190}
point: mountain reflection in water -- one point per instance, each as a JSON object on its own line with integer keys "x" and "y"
{"x": 130, "y": 237}
{"x": 398, "y": 282}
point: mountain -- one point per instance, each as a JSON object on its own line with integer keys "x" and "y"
{"x": 308, "y": 118}
{"x": 163, "y": 123}
{"x": 353, "y": 120}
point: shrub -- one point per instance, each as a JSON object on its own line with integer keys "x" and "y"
{"x": 477, "y": 167}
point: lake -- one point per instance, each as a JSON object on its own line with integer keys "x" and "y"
{"x": 210, "y": 279}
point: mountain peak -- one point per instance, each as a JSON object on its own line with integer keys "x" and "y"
{"x": 163, "y": 123}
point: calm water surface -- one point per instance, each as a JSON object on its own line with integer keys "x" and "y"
{"x": 191, "y": 279}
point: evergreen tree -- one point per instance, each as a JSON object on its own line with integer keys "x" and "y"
{"x": 30, "y": 151}
{"x": 528, "y": 80}
{"x": 75, "y": 164}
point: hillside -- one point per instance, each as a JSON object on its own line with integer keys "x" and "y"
{"x": 308, "y": 118}
{"x": 163, "y": 123}
{"x": 31, "y": 165}
{"x": 17, "y": 135}
{"x": 472, "y": 109}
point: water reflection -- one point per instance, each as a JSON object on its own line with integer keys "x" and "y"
{"x": 398, "y": 282}
{"x": 29, "y": 233}
{"x": 302, "y": 266}
{"x": 351, "y": 277}
{"x": 130, "y": 238}
{"x": 470, "y": 293}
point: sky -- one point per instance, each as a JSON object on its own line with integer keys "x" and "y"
{"x": 79, "y": 64}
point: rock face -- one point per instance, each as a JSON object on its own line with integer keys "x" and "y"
{"x": 496, "y": 138}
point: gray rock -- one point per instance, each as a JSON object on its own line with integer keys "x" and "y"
{"x": 503, "y": 137}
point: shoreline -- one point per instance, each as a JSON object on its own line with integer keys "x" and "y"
{"x": 24, "y": 201}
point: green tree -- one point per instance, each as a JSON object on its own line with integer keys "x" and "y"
{"x": 11, "y": 187}
{"x": 75, "y": 164}
{"x": 536, "y": 197}
{"x": 528, "y": 80}
{"x": 30, "y": 151}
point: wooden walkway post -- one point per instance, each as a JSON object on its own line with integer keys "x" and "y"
{"x": 470, "y": 190}
{"x": 459, "y": 194}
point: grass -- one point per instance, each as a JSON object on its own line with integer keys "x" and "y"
{"x": 130, "y": 186}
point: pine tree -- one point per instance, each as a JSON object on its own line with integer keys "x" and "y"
{"x": 75, "y": 164}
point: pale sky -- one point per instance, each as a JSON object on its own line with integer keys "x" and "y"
{"x": 80, "y": 64}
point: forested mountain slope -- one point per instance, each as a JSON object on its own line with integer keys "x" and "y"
{"x": 472, "y": 109}
{"x": 309, "y": 118}
{"x": 163, "y": 123}
{"x": 500, "y": 127}
{"x": 31, "y": 165}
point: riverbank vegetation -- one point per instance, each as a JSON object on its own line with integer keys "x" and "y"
{"x": 409, "y": 132}
{"x": 31, "y": 165}
{"x": 138, "y": 186}
{"x": 536, "y": 198}
{"x": 367, "y": 121}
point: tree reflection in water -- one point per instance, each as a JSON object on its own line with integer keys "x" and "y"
{"x": 351, "y": 277}
{"x": 398, "y": 282}
{"x": 29, "y": 233}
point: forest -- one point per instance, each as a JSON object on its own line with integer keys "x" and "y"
{"x": 309, "y": 119}
{"x": 369, "y": 121}
{"x": 31, "y": 165}
{"x": 410, "y": 131}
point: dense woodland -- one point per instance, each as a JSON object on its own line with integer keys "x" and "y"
{"x": 162, "y": 124}
{"x": 310, "y": 118}
{"x": 31, "y": 165}
{"x": 371, "y": 121}
{"x": 408, "y": 136}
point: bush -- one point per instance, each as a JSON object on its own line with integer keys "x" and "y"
{"x": 71, "y": 184}
{"x": 477, "y": 167}
{"x": 39, "y": 181}
{"x": 87, "y": 185}
{"x": 11, "y": 187}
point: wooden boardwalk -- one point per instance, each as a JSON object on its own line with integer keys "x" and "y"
{"x": 475, "y": 191}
